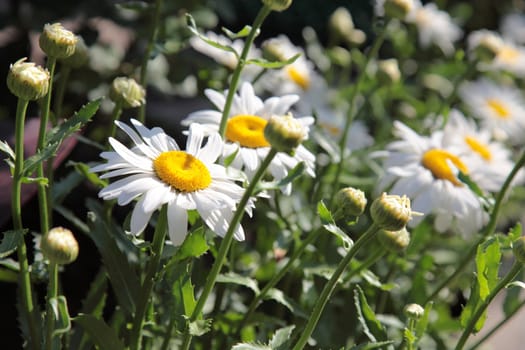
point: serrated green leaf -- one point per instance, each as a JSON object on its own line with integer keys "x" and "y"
{"x": 100, "y": 333}
{"x": 244, "y": 32}
{"x": 194, "y": 245}
{"x": 10, "y": 241}
{"x": 200, "y": 327}
{"x": 193, "y": 28}
{"x": 409, "y": 336}
{"x": 374, "y": 280}
{"x": 371, "y": 326}
{"x": 488, "y": 260}
{"x": 328, "y": 223}
{"x": 371, "y": 346}
{"x": 472, "y": 303}
{"x": 515, "y": 232}
{"x": 61, "y": 315}
{"x": 251, "y": 346}
{"x": 261, "y": 62}
{"x": 281, "y": 338}
{"x": 182, "y": 291}
{"x": 232, "y": 277}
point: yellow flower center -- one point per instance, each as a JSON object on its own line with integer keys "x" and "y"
{"x": 508, "y": 54}
{"x": 247, "y": 130}
{"x": 331, "y": 129}
{"x": 437, "y": 161}
{"x": 478, "y": 147}
{"x": 298, "y": 77}
{"x": 182, "y": 171}
{"x": 499, "y": 108}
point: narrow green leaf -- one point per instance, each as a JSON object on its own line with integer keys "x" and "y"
{"x": 65, "y": 186}
{"x": 4, "y": 147}
{"x": 35, "y": 180}
{"x": 374, "y": 280}
{"x": 83, "y": 169}
{"x": 8, "y": 276}
{"x": 244, "y": 32}
{"x": 472, "y": 303}
{"x": 280, "y": 339}
{"x": 278, "y": 296}
{"x": 251, "y": 346}
{"x": 372, "y": 327}
{"x": 101, "y": 334}
{"x": 232, "y": 277}
{"x": 261, "y": 62}
{"x": 61, "y": 314}
{"x": 10, "y": 241}
{"x": 193, "y": 28}
{"x": 328, "y": 223}
{"x": 371, "y": 346}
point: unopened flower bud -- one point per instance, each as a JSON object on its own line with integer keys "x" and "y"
{"x": 342, "y": 27}
{"x": 391, "y": 212}
{"x": 518, "y": 248}
{"x": 57, "y": 42}
{"x": 398, "y": 8}
{"x": 414, "y": 311}
{"x": 394, "y": 241}
{"x": 59, "y": 246}
{"x": 388, "y": 71}
{"x": 277, "y": 5}
{"x": 284, "y": 133}
{"x": 273, "y": 50}
{"x": 79, "y": 58}
{"x": 127, "y": 92}
{"x": 484, "y": 45}
{"x": 27, "y": 80}
{"x": 349, "y": 202}
{"x": 340, "y": 56}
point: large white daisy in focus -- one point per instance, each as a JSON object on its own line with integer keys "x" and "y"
{"x": 499, "y": 108}
{"x": 427, "y": 172}
{"x": 244, "y": 134}
{"x": 157, "y": 172}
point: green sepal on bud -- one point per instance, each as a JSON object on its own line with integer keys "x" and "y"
{"x": 398, "y": 8}
{"x": 394, "y": 241}
{"x": 414, "y": 311}
{"x": 518, "y": 248}
{"x": 349, "y": 202}
{"x": 284, "y": 133}
{"x": 80, "y": 56}
{"x": 28, "y": 81}
{"x": 127, "y": 92}
{"x": 391, "y": 212}
{"x": 277, "y": 5}
{"x": 57, "y": 42}
{"x": 59, "y": 246}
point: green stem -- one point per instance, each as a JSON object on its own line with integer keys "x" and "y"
{"x": 16, "y": 211}
{"x": 489, "y": 229}
{"x": 225, "y": 245}
{"x": 43, "y": 190}
{"x": 52, "y": 293}
{"x": 61, "y": 90}
{"x": 149, "y": 280}
{"x": 353, "y": 99}
{"x": 330, "y": 286}
{"x": 147, "y": 55}
{"x": 263, "y": 12}
{"x": 115, "y": 115}
{"x": 516, "y": 268}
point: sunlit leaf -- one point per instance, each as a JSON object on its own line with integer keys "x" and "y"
{"x": 281, "y": 338}
{"x": 244, "y": 32}
{"x": 10, "y": 241}
{"x": 261, "y": 62}
{"x": 372, "y": 327}
{"x": 232, "y": 277}
{"x": 193, "y": 28}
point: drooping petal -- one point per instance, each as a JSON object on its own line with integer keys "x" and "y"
{"x": 177, "y": 223}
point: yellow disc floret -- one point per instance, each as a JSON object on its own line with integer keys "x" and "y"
{"x": 182, "y": 171}
{"x": 298, "y": 77}
{"x": 247, "y": 130}
{"x": 499, "y": 108}
{"x": 438, "y": 162}
{"x": 478, "y": 147}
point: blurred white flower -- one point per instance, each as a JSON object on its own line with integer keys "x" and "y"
{"x": 513, "y": 27}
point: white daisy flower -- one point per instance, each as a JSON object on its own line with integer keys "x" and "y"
{"x": 513, "y": 27}
{"x": 424, "y": 170}
{"x": 500, "y": 109}
{"x": 434, "y": 27}
{"x": 245, "y": 131}
{"x": 157, "y": 172}
{"x": 489, "y": 161}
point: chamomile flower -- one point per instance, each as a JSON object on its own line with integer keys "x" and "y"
{"x": 489, "y": 161}
{"x": 245, "y": 130}
{"x": 427, "y": 172}
{"x": 513, "y": 27}
{"x": 434, "y": 27}
{"x": 500, "y": 109}
{"x": 157, "y": 172}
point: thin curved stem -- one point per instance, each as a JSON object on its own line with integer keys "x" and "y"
{"x": 516, "y": 268}
{"x": 52, "y": 292}
{"x": 489, "y": 229}
{"x": 149, "y": 280}
{"x": 16, "y": 212}
{"x": 225, "y": 245}
{"x": 147, "y": 55}
{"x": 330, "y": 286}
{"x": 115, "y": 115}
{"x": 263, "y": 12}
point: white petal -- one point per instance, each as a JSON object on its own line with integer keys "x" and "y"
{"x": 212, "y": 150}
{"x": 177, "y": 223}
{"x": 139, "y": 218}
{"x": 129, "y": 156}
{"x": 195, "y": 138}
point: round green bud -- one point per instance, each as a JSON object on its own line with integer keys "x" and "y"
{"x": 284, "y": 133}
{"x": 518, "y": 248}
{"x": 349, "y": 202}
{"x": 57, "y": 42}
{"x": 398, "y": 8}
{"x": 79, "y": 58}
{"x": 127, "y": 92}
{"x": 388, "y": 71}
{"x": 414, "y": 311}
{"x": 27, "y": 80}
{"x": 391, "y": 212}
{"x": 59, "y": 246}
{"x": 277, "y": 5}
{"x": 394, "y": 241}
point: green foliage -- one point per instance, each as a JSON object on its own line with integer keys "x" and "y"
{"x": 10, "y": 241}
{"x": 102, "y": 335}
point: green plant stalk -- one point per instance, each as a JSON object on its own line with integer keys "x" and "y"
{"x": 43, "y": 190}
{"x": 516, "y": 268}
{"x": 489, "y": 229}
{"x": 225, "y": 245}
{"x": 330, "y": 286}
{"x": 496, "y": 327}
{"x": 149, "y": 280}
{"x": 16, "y": 211}
{"x": 115, "y": 115}
{"x": 353, "y": 99}
{"x": 52, "y": 293}
{"x": 147, "y": 55}
{"x": 263, "y": 12}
